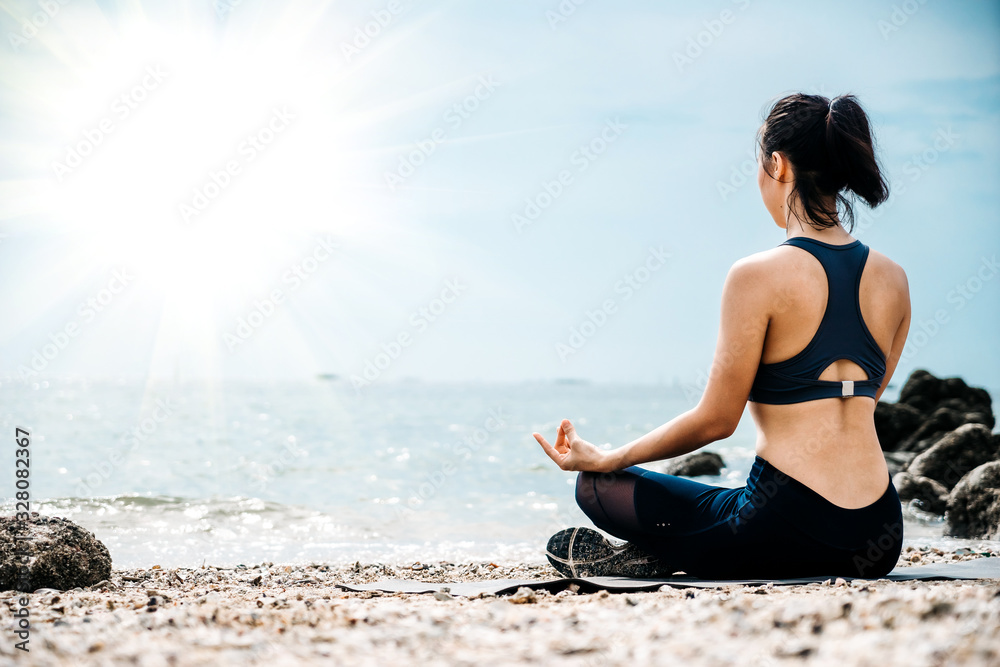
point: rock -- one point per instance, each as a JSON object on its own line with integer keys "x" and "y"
{"x": 974, "y": 504}
{"x": 894, "y": 422}
{"x": 524, "y": 595}
{"x": 928, "y": 409}
{"x": 955, "y": 455}
{"x": 60, "y": 555}
{"x": 697, "y": 464}
{"x": 105, "y": 584}
{"x": 941, "y": 422}
{"x": 931, "y": 496}
{"x": 926, "y": 392}
{"x": 897, "y": 461}
{"x": 443, "y": 595}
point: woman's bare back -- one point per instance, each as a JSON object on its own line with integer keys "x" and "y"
{"x": 830, "y": 444}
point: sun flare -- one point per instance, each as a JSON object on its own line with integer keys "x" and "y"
{"x": 157, "y": 163}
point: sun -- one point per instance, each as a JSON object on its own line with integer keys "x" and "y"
{"x": 208, "y": 155}
{"x": 201, "y": 163}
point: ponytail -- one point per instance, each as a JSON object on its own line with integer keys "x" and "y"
{"x": 830, "y": 147}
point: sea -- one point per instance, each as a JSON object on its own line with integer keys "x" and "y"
{"x": 181, "y": 474}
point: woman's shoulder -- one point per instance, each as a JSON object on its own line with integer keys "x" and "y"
{"x": 758, "y": 273}
{"x": 881, "y": 271}
{"x": 764, "y": 262}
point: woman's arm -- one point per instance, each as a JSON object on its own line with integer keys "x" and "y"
{"x": 899, "y": 339}
{"x": 747, "y": 304}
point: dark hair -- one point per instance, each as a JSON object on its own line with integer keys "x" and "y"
{"x": 829, "y": 145}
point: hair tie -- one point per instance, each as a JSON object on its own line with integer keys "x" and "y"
{"x": 830, "y": 110}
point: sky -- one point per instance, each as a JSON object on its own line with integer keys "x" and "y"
{"x": 461, "y": 191}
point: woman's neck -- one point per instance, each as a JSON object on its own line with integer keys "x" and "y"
{"x": 835, "y": 235}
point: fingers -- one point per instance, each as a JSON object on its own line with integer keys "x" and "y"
{"x": 567, "y": 427}
{"x": 549, "y": 449}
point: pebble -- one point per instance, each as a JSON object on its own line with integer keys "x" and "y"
{"x": 443, "y": 595}
{"x": 524, "y": 595}
{"x": 483, "y": 596}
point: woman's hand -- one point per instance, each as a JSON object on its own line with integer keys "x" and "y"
{"x": 571, "y": 452}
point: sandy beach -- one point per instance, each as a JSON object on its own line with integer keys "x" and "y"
{"x": 279, "y": 614}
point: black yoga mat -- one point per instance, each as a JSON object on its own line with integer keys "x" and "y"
{"x": 979, "y": 568}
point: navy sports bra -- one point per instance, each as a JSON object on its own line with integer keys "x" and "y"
{"x": 842, "y": 334}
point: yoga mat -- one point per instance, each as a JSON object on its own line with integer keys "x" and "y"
{"x": 978, "y": 568}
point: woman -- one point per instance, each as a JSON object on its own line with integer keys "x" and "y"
{"x": 810, "y": 335}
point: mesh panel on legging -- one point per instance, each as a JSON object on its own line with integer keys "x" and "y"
{"x": 609, "y": 500}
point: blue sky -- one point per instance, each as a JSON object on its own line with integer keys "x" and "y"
{"x": 306, "y": 248}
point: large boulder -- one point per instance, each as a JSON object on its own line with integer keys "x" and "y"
{"x": 942, "y": 421}
{"x": 897, "y": 461}
{"x": 974, "y": 504}
{"x": 895, "y": 421}
{"x": 930, "y": 496}
{"x": 59, "y": 555}
{"x": 926, "y": 392}
{"x": 695, "y": 465}
{"x": 957, "y": 453}
{"x": 984, "y": 413}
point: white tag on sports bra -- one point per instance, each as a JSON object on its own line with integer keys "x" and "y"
{"x": 847, "y": 387}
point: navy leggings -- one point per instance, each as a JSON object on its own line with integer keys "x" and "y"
{"x": 774, "y": 527}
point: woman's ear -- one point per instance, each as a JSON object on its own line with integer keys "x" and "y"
{"x": 779, "y": 166}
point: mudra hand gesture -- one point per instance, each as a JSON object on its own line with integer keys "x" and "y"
{"x": 571, "y": 452}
